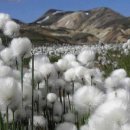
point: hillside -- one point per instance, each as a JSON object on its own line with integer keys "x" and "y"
{"x": 76, "y": 27}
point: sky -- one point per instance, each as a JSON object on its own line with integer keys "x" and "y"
{"x": 30, "y": 10}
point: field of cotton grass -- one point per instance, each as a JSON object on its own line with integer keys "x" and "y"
{"x": 62, "y": 87}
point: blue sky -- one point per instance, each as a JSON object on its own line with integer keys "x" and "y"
{"x": 30, "y": 10}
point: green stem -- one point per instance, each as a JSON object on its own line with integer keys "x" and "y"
{"x": 32, "y": 89}
{"x": 7, "y": 118}
{"x": 73, "y": 87}
{"x": 13, "y": 121}
{"x": 1, "y": 122}
{"x": 16, "y": 64}
{"x": 64, "y": 99}
{"x": 69, "y": 101}
{"x": 22, "y": 77}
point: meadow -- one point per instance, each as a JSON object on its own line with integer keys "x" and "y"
{"x": 62, "y": 87}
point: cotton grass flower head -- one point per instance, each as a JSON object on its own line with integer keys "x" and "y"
{"x": 5, "y": 71}
{"x": 16, "y": 74}
{"x": 56, "y": 119}
{"x": 16, "y": 101}
{"x": 8, "y": 90}
{"x": 70, "y": 75}
{"x": 39, "y": 121}
{"x": 3, "y": 19}
{"x": 84, "y": 127}
{"x": 38, "y": 61}
{"x": 11, "y": 29}
{"x": 27, "y": 93}
{"x": 73, "y": 64}
{"x": 7, "y": 56}
{"x": 77, "y": 85}
{"x": 121, "y": 94}
{"x": 109, "y": 118}
{"x": 69, "y": 57}
{"x": 126, "y": 45}
{"x": 119, "y": 73}
{"x": 62, "y": 65}
{"x": 27, "y": 78}
{"x": 86, "y": 99}
{"x": 80, "y": 72}
{"x": 21, "y": 47}
{"x": 1, "y": 63}
{"x": 51, "y": 97}
{"x": 37, "y": 77}
{"x": 126, "y": 126}
{"x": 47, "y": 70}
{"x": 60, "y": 83}
{"x": 57, "y": 109}
{"x": 20, "y": 114}
{"x": 126, "y": 83}
{"x": 112, "y": 83}
{"x": 87, "y": 79}
{"x": 69, "y": 117}
{"x": 86, "y": 56}
{"x": 66, "y": 126}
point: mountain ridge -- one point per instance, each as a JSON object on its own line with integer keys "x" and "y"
{"x": 76, "y": 27}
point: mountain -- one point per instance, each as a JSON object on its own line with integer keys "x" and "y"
{"x": 83, "y": 26}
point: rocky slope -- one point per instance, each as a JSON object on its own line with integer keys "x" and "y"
{"x": 90, "y": 26}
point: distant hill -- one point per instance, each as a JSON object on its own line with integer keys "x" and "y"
{"x": 90, "y": 26}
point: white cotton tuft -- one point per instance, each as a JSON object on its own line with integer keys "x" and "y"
{"x": 57, "y": 119}
{"x": 126, "y": 127}
{"x": 37, "y": 77}
{"x": 47, "y": 70}
{"x": 3, "y": 19}
{"x": 126, "y": 83}
{"x": 51, "y": 97}
{"x": 77, "y": 85}
{"x": 39, "y": 121}
{"x": 16, "y": 74}
{"x": 38, "y": 61}
{"x": 112, "y": 83}
{"x": 121, "y": 94}
{"x": 20, "y": 114}
{"x": 73, "y": 64}
{"x": 21, "y": 47}
{"x": 69, "y": 117}
{"x": 7, "y": 56}
{"x": 27, "y": 93}
{"x": 8, "y": 90}
{"x": 60, "y": 83}
{"x": 5, "y": 71}
{"x": 86, "y": 99}
{"x": 84, "y": 127}
{"x": 1, "y": 63}
{"x": 57, "y": 109}
{"x": 86, "y": 56}
{"x": 69, "y": 57}
{"x": 70, "y": 75}
{"x": 108, "y": 116}
{"x": 11, "y": 29}
{"x": 80, "y": 72}
{"x": 119, "y": 73}
{"x": 66, "y": 126}
{"x": 62, "y": 65}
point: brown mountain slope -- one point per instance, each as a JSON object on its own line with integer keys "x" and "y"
{"x": 76, "y": 27}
